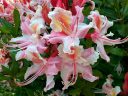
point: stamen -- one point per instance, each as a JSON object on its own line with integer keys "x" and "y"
{"x": 31, "y": 79}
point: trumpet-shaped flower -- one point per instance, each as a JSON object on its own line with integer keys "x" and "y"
{"x": 66, "y": 27}
{"x": 108, "y": 88}
{"x": 27, "y": 41}
{"x": 100, "y": 36}
{"x": 50, "y": 68}
{"x": 75, "y": 63}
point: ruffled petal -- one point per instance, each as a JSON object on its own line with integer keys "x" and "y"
{"x": 69, "y": 42}
{"x": 61, "y": 20}
{"x": 53, "y": 65}
{"x": 91, "y": 55}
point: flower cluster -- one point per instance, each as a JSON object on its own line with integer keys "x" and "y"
{"x": 55, "y": 28}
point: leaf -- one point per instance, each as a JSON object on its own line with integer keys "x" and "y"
{"x": 17, "y": 21}
{"x": 123, "y": 29}
{"x": 5, "y": 70}
{"x": 86, "y": 10}
{"x": 117, "y": 51}
{"x": 2, "y": 77}
{"x": 74, "y": 92}
{"x": 97, "y": 73}
{"x": 5, "y": 27}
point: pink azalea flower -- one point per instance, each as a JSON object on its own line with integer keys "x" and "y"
{"x": 50, "y": 68}
{"x": 108, "y": 88}
{"x": 4, "y": 58}
{"x": 67, "y": 28}
{"x": 28, "y": 41}
{"x": 77, "y": 62}
{"x": 100, "y": 36}
{"x": 6, "y": 9}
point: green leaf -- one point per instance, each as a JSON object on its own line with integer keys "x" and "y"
{"x": 17, "y": 21}
{"x": 117, "y": 51}
{"x": 2, "y": 77}
{"x": 97, "y": 73}
{"x": 5, "y": 70}
{"x": 123, "y": 30}
{"x": 5, "y": 27}
{"x": 75, "y": 92}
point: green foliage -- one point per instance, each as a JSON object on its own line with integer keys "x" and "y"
{"x": 16, "y": 16}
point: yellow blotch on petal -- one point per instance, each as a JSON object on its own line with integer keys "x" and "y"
{"x": 61, "y": 20}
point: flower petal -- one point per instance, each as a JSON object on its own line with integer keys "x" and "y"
{"x": 20, "y": 55}
{"x": 91, "y": 55}
{"x": 50, "y": 82}
{"x": 101, "y": 50}
{"x": 69, "y": 42}
{"x": 31, "y": 70}
{"x": 87, "y": 73}
{"x": 61, "y": 20}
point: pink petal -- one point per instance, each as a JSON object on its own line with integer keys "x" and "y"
{"x": 25, "y": 28}
{"x": 67, "y": 76}
{"x": 50, "y": 83}
{"x": 83, "y": 30}
{"x": 108, "y": 41}
{"x": 20, "y": 55}
{"x": 101, "y": 50}
{"x": 31, "y": 70}
{"x": 52, "y": 66}
{"x": 32, "y": 78}
{"x": 87, "y": 73}
{"x": 91, "y": 55}
{"x": 71, "y": 43}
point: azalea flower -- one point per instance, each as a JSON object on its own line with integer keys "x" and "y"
{"x": 100, "y": 36}
{"x": 27, "y": 41}
{"x": 77, "y": 62}
{"x": 66, "y": 27}
{"x": 50, "y": 68}
{"x": 6, "y": 9}
{"x": 36, "y": 17}
{"x": 108, "y": 88}
{"x": 4, "y": 58}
